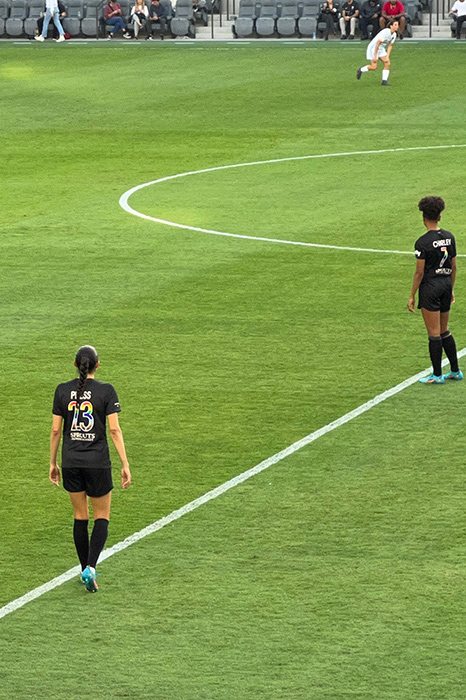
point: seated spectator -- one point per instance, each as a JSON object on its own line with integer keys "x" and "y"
{"x": 369, "y": 16}
{"x": 139, "y": 15}
{"x": 113, "y": 16}
{"x": 158, "y": 15}
{"x": 61, "y": 13}
{"x": 349, "y": 15}
{"x": 329, "y": 12}
{"x": 393, "y": 10}
{"x": 459, "y": 13}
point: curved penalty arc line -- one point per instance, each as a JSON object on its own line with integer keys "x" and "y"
{"x": 130, "y": 210}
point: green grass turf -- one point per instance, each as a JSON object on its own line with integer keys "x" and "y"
{"x": 342, "y": 578}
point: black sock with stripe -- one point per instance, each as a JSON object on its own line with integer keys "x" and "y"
{"x": 435, "y": 351}
{"x": 81, "y": 540}
{"x": 449, "y": 346}
{"x": 98, "y": 539}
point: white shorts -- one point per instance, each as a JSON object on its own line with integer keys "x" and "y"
{"x": 381, "y": 53}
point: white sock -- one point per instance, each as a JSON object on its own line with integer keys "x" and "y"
{"x": 385, "y": 74}
{"x": 364, "y": 69}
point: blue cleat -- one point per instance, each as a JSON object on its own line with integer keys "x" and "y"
{"x": 457, "y": 376}
{"x": 432, "y": 379}
{"x": 88, "y": 577}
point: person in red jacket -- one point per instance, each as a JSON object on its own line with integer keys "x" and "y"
{"x": 393, "y": 10}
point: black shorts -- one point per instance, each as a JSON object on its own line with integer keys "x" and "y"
{"x": 95, "y": 482}
{"x": 435, "y": 297}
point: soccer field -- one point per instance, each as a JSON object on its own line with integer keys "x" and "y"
{"x": 335, "y": 573}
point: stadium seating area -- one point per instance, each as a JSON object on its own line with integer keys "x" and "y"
{"x": 255, "y": 18}
{"x": 85, "y": 18}
{"x": 287, "y": 18}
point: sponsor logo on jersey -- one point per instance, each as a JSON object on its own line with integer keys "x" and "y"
{"x": 417, "y": 253}
{"x": 443, "y": 271}
{"x": 83, "y": 437}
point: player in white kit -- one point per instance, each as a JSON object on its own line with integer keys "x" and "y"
{"x": 381, "y": 47}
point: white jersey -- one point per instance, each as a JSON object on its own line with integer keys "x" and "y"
{"x": 385, "y": 36}
{"x": 459, "y": 7}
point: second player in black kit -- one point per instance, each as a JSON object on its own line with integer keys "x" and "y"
{"x": 437, "y": 248}
{"x": 435, "y": 278}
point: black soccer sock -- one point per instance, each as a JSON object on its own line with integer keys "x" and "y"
{"x": 449, "y": 346}
{"x": 98, "y": 539}
{"x": 81, "y": 540}
{"x": 435, "y": 351}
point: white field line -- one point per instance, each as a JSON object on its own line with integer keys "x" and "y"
{"x": 125, "y": 197}
{"x": 219, "y": 490}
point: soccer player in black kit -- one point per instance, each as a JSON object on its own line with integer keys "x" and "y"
{"x": 435, "y": 278}
{"x": 81, "y": 407}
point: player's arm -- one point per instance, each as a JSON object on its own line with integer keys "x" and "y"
{"x": 55, "y": 437}
{"x": 117, "y": 439}
{"x": 453, "y": 278}
{"x": 389, "y": 49}
{"x": 418, "y": 275}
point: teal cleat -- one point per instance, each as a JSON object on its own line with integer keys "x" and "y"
{"x": 88, "y": 577}
{"x": 457, "y": 376}
{"x": 432, "y": 379}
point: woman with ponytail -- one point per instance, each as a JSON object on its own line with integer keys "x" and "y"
{"x": 81, "y": 409}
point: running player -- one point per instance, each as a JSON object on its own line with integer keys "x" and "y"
{"x": 381, "y": 47}
{"x": 81, "y": 407}
{"x": 435, "y": 278}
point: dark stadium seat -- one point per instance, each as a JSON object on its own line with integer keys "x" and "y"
{"x": 244, "y": 23}
{"x": 74, "y": 14}
{"x": 14, "y": 25}
{"x": 453, "y": 29}
{"x": 267, "y": 18}
{"x": 35, "y": 11}
{"x": 92, "y": 17}
{"x": 307, "y": 21}
{"x": 182, "y": 23}
{"x": 4, "y": 12}
{"x": 287, "y": 21}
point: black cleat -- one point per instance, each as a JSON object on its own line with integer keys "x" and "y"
{"x": 385, "y": 82}
{"x": 359, "y": 73}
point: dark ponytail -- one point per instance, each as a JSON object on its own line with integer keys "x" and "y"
{"x": 86, "y": 360}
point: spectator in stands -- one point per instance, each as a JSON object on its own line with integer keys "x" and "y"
{"x": 459, "y": 13}
{"x": 158, "y": 14}
{"x": 369, "y": 16}
{"x": 393, "y": 9}
{"x": 61, "y": 13}
{"x": 51, "y": 11}
{"x": 350, "y": 13}
{"x": 329, "y": 12}
{"x": 139, "y": 15}
{"x": 113, "y": 16}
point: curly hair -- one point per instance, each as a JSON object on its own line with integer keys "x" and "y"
{"x": 86, "y": 360}
{"x": 431, "y": 207}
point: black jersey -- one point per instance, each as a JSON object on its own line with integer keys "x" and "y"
{"x": 84, "y": 431}
{"x": 437, "y": 248}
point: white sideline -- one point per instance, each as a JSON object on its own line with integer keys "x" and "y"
{"x": 218, "y": 491}
{"x": 126, "y": 195}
